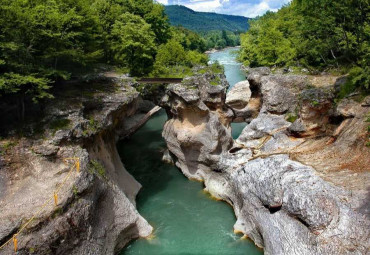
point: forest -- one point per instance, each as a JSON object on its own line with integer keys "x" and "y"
{"x": 205, "y": 21}
{"x": 217, "y": 30}
{"x": 43, "y": 42}
{"x": 318, "y": 35}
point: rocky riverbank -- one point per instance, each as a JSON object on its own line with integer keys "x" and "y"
{"x": 297, "y": 176}
{"x": 96, "y": 211}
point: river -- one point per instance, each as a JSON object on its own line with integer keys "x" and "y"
{"x": 227, "y": 58}
{"x": 185, "y": 219}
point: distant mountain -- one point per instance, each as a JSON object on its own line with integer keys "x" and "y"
{"x": 205, "y": 21}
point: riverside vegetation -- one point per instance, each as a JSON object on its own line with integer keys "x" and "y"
{"x": 317, "y": 35}
{"x": 297, "y": 176}
{"x": 45, "y": 42}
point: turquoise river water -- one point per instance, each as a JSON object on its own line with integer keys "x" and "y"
{"x": 185, "y": 219}
{"x": 227, "y": 58}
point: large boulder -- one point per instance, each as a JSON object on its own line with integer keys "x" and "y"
{"x": 280, "y": 92}
{"x": 239, "y": 95}
{"x": 254, "y": 75}
{"x": 240, "y": 101}
{"x": 348, "y": 108}
{"x": 198, "y": 131}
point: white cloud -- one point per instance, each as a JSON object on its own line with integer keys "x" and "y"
{"x": 257, "y": 9}
{"x": 162, "y": 1}
{"x": 205, "y": 6}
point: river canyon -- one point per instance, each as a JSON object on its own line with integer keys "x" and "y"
{"x": 291, "y": 163}
{"x": 185, "y": 218}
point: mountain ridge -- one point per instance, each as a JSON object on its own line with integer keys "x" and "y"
{"x": 205, "y": 21}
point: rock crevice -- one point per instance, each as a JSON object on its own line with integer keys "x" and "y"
{"x": 284, "y": 200}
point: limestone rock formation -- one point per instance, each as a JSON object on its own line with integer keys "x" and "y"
{"x": 96, "y": 211}
{"x": 198, "y": 131}
{"x": 285, "y": 180}
{"x": 239, "y": 100}
{"x": 255, "y": 75}
{"x": 239, "y": 95}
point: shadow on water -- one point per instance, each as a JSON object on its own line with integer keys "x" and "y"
{"x": 142, "y": 157}
{"x": 185, "y": 219}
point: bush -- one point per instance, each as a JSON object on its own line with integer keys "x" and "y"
{"x": 358, "y": 80}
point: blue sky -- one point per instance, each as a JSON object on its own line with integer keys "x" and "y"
{"x": 247, "y": 8}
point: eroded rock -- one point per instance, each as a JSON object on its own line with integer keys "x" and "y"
{"x": 240, "y": 101}
{"x": 96, "y": 211}
{"x": 239, "y": 95}
{"x": 198, "y": 131}
{"x": 285, "y": 206}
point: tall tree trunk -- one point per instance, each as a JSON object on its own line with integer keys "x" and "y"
{"x": 322, "y": 57}
{"x": 332, "y": 53}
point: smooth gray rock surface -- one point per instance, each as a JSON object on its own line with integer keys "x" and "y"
{"x": 239, "y": 95}
{"x": 96, "y": 211}
{"x": 280, "y": 203}
{"x": 198, "y": 131}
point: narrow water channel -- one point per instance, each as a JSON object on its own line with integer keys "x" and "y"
{"x": 233, "y": 73}
{"x": 185, "y": 219}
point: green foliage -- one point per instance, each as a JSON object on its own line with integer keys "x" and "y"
{"x": 189, "y": 39}
{"x": 215, "y": 81}
{"x": 57, "y": 212}
{"x": 266, "y": 43}
{"x": 133, "y": 43}
{"x": 319, "y": 34}
{"x": 195, "y": 58}
{"x": 173, "y": 60}
{"x": 75, "y": 191}
{"x": 95, "y": 167}
{"x": 217, "y": 68}
{"x": 36, "y": 36}
{"x": 358, "y": 79}
{"x": 5, "y": 146}
{"x": 170, "y": 54}
{"x": 25, "y": 84}
{"x": 204, "y": 21}
{"x": 60, "y": 124}
{"x": 159, "y": 23}
{"x": 45, "y": 41}
{"x": 216, "y": 30}
{"x": 91, "y": 127}
{"x": 221, "y": 38}
{"x": 291, "y": 117}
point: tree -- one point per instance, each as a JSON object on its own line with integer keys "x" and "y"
{"x": 133, "y": 44}
{"x": 159, "y": 23}
{"x": 173, "y": 60}
{"x": 171, "y": 54}
{"x": 37, "y": 39}
{"x": 265, "y": 43}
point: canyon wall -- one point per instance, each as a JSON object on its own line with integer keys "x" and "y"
{"x": 96, "y": 211}
{"x": 287, "y": 198}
